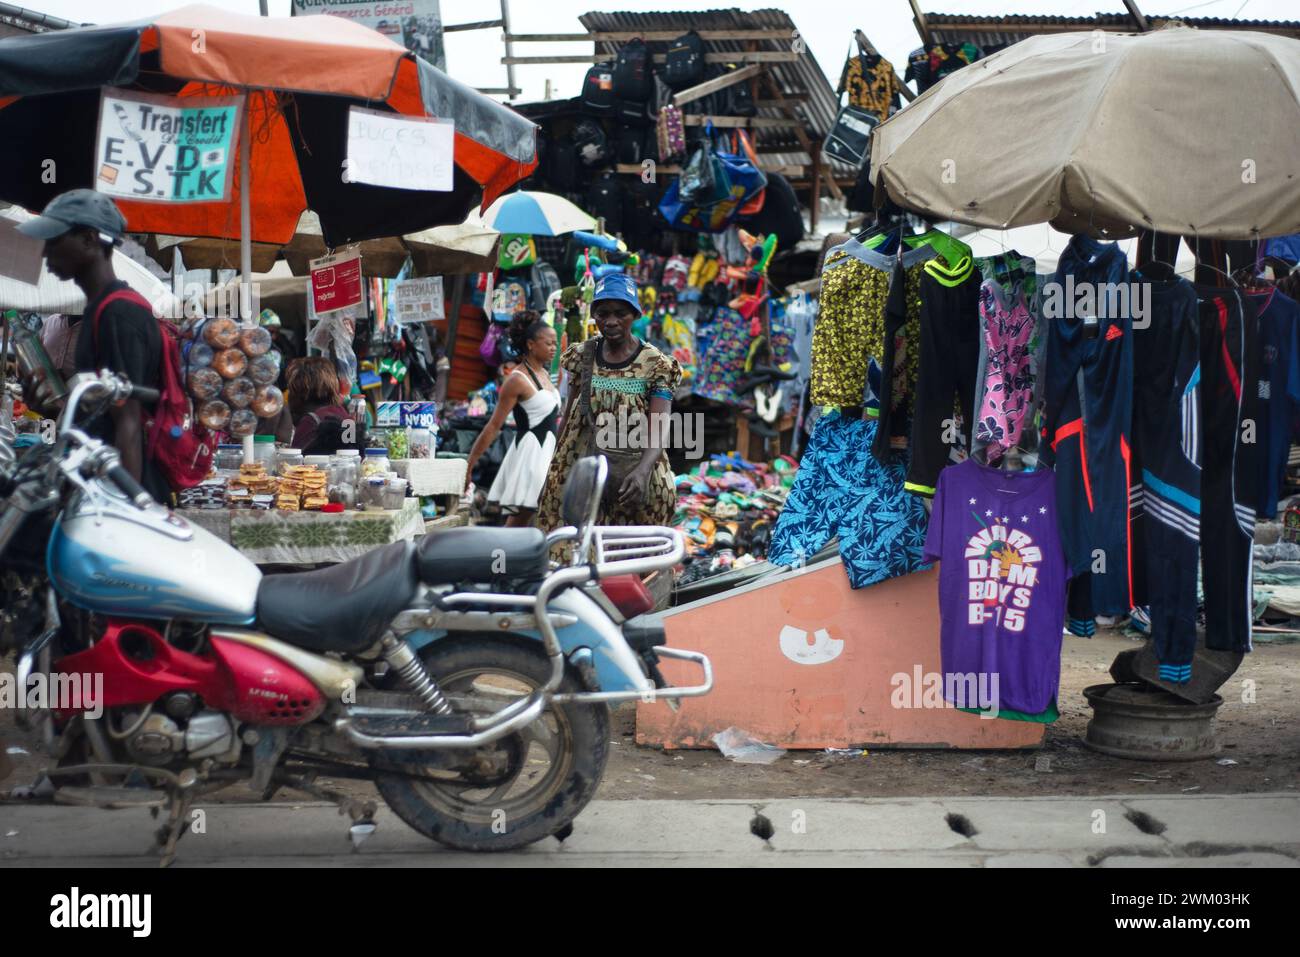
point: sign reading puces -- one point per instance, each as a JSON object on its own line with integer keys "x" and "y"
{"x": 419, "y": 300}
{"x": 336, "y": 281}
{"x": 166, "y": 149}
{"x": 401, "y": 152}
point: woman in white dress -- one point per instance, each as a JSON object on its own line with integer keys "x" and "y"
{"x": 529, "y": 394}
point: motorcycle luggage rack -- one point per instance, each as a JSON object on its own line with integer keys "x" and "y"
{"x": 618, "y": 550}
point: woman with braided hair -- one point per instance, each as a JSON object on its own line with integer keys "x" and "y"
{"x": 527, "y": 392}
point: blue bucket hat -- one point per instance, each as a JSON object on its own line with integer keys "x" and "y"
{"x": 618, "y": 286}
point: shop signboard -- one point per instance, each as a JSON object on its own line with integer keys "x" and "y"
{"x": 415, "y": 24}
{"x": 336, "y": 281}
{"x": 400, "y": 152}
{"x": 419, "y": 300}
{"x": 166, "y": 149}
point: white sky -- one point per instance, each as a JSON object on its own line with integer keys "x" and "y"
{"x": 826, "y": 25}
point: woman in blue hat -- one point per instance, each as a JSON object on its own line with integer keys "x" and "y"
{"x": 620, "y": 396}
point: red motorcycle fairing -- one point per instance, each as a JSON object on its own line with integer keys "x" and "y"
{"x": 139, "y": 667}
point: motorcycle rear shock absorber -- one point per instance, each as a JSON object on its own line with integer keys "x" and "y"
{"x": 412, "y": 673}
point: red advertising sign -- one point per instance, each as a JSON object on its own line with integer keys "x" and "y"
{"x": 336, "y": 281}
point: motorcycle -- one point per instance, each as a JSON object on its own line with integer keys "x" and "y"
{"x": 468, "y": 676}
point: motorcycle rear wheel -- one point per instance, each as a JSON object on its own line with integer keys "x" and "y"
{"x": 452, "y": 809}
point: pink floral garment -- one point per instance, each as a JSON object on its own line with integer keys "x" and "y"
{"x": 1008, "y": 377}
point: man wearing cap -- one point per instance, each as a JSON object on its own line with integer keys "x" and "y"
{"x": 620, "y": 397}
{"x": 80, "y": 228}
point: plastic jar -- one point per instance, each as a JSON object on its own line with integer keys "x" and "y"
{"x": 228, "y": 458}
{"x": 321, "y": 462}
{"x": 373, "y": 491}
{"x": 419, "y": 443}
{"x": 375, "y": 463}
{"x": 264, "y": 450}
{"x": 286, "y": 459}
{"x": 394, "y": 493}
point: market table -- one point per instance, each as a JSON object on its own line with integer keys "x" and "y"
{"x": 276, "y": 537}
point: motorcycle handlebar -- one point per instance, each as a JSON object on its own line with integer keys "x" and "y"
{"x": 128, "y": 486}
{"x": 144, "y": 394}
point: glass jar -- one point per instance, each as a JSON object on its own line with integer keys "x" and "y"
{"x": 286, "y": 459}
{"x": 375, "y": 463}
{"x": 228, "y": 458}
{"x": 373, "y": 491}
{"x": 394, "y": 493}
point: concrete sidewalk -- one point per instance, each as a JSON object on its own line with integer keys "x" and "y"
{"x": 1186, "y": 831}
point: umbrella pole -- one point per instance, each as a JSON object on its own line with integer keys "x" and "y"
{"x": 246, "y": 239}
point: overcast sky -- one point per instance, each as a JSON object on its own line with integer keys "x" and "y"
{"x": 826, "y": 25}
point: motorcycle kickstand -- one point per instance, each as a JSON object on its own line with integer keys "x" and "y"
{"x": 362, "y": 813}
{"x": 170, "y": 833}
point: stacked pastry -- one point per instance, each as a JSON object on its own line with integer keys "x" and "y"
{"x": 306, "y": 485}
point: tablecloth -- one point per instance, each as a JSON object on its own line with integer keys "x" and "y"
{"x": 308, "y": 538}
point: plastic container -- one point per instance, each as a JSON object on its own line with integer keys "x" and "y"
{"x": 321, "y": 462}
{"x": 264, "y": 450}
{"x": 419, "y": 443}
{"x": 228, "y": 458}
{"x": 286, "y": 459}
{"x": 375, "y": 463}
{"x": 397, "y": 444}
{"x": 394, "y": 493}
{"x": 373, "y": 492}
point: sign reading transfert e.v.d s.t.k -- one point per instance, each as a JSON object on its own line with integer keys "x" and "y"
{"x": 166, "y": 149}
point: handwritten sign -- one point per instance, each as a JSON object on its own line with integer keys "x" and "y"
{"x": 419, "y": 300}
{"x": 166, "y": 149}
{"x": 402, "y": 152}
{"x": 336, "y": 281}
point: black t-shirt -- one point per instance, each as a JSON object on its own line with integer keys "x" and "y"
{"x": 127, "y": 341}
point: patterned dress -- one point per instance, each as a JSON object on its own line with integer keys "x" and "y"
{"x": 624, "y": 388}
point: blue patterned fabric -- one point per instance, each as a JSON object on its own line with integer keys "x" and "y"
{"x": 842, "y": 492}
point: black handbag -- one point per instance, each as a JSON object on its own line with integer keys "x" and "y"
{"x": 849, "y": 140}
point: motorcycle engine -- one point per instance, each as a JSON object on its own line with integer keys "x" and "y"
{"x": 159, "y": 740}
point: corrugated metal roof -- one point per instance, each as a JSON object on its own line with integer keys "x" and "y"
{"x": 993, "y": 29}
{"x": 802, "y": 76}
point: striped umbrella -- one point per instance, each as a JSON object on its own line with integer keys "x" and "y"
{"x": 537, "y": 214}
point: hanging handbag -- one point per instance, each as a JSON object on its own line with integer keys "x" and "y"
{"x": 622, "y": 462}
{"x": 671, "y": 133}
{"x": 849, "y": 140}
{"x": 754, "y": 204}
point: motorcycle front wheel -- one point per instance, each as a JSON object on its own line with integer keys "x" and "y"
{"x": 518, "y": 790}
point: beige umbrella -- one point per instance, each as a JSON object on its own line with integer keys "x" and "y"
{"x": 1191, "y": 132}
{"x": 444, "y": 250}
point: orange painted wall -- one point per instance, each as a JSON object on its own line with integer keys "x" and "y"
{"x": 886, "y": 629}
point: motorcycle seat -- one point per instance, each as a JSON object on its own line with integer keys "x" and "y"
{"x": 344, "y": 607}
{"x": 481, "y": 555}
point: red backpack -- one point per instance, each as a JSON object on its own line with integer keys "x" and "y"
{"x": 175, "y": 441}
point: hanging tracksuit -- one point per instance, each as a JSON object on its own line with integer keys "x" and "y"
{"x": 1089, "y": 401}
{"x": 1166, "y": 482}
{"x": 1229, "y": 411}
{"x": 949, "y": 360}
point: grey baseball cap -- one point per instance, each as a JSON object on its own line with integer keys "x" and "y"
{"x": 77, "y": 207}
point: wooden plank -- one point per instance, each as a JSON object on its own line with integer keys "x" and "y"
{"x": 480, "y": 25}
{"x": 776, "y": 104}
{"x": 650, "y": 36}
{"x": 701, "y": 90}
{"x": 765, "y": 56}
{"x": 743, "y": 122}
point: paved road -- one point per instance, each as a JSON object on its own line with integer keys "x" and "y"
{"x": 1186, "y": 831}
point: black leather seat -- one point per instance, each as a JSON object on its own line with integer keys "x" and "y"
{"x": 345, "y": 607}
{"x": 481, "y": 555}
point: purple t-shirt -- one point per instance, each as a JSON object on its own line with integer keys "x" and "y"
{"x": 1002, "y": 576}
